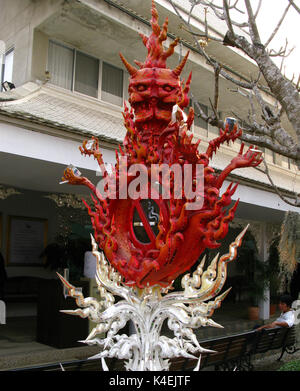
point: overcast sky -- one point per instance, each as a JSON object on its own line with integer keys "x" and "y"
{"x": 270, "y": 13}
{"x": 269, "y": 16}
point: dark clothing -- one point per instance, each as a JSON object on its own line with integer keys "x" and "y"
{"x": 295, "y": 283}
{"x": 3, "y": 277}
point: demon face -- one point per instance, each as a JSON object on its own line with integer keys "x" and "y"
{"x": 154, "y": 89}
{"x": 153, "y": 93}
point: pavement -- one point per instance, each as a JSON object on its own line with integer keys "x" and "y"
{"x": 268, "y": 362}
{"x": 19, "y": 348}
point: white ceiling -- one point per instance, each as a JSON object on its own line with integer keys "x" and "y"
{"x": 34, "y": 174}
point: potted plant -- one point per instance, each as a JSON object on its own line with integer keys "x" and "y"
{"x": 255, "y": 271}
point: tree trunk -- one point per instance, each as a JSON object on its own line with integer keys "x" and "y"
{"x": 284, "y": 90}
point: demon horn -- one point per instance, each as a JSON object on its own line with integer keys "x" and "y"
{"x": 139, "y": 63}
{"x": 144, "y": 38}
{"x": 131, "y": 69}
{"x": 177, "y": 71}
{"x": 154, "y": 20}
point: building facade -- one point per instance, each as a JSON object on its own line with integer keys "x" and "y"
{"x": 62, "y": 58}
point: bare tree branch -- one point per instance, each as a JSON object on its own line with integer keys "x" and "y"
{"x": 279, "y": 193}
{"x": 258, "y": 9}
{"x": 215, "y": 8}
{"x": 216, "y": 100}
{"x": 213, "y": 120}
{"x": 282, "y": 88}
{"x": 227, "y": 16}
{"x": 295, "y": 6}
{"x": 298, "y": 83}
{"x": 265, "y": 130}
{"x": 278, "y": 25}
{"x": 212, "y": 4}
{"x": 206, "y": 35}
{"x": 252, "y": 24}
{"x": 210, "y": 61}
{"x": 280, "y": 53}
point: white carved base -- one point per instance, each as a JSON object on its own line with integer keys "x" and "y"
{"x": 147, "y": 350}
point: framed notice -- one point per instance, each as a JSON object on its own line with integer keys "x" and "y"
{"x": 26, "y": 239}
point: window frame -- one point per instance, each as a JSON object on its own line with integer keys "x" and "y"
{"x": 99, "y": 91}
{"x": 10, "y": 50}
{"x": 123, "y": 84}
{"x": 74, "y": 74}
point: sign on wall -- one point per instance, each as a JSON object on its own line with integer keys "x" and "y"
{"x": 27, "y": 237}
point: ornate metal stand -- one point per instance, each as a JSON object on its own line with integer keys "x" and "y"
{"x": 147, "y": 350}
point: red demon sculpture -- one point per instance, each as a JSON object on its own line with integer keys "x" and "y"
{"x": 152, "y": 240}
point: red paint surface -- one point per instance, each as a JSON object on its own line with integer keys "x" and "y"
{"x": 153, "y": 139}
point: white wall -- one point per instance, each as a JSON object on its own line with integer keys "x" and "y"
{"x": 28, "y": 204}
{"x": 259, "y": 197}
{"x": 18, "y": 19}
{"x": 23, "y": 142}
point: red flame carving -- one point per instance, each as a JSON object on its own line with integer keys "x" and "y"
{"x": 179, "y": 236}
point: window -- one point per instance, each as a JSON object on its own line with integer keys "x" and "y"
{"x": 60, "y": 65}
{"x": 276, "y": 158}
{"x": 7, "y": 67}
{"x": 112, "y": 84}
{"x": 86, "y": 75}
{"x": 77, "y": 71}
{"x": 126, "y": 85}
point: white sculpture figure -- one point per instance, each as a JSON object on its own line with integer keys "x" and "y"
{"x": 147, "y": 309}
{"x": 90, "y": 265}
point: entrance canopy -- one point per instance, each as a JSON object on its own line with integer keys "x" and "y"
{"x": 36, "y": 161}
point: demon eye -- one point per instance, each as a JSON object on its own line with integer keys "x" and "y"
{"x": 168, "y": 88}
{"x": 141, "y": 87}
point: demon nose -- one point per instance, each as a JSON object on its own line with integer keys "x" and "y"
{"x": 153, "y": 99}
